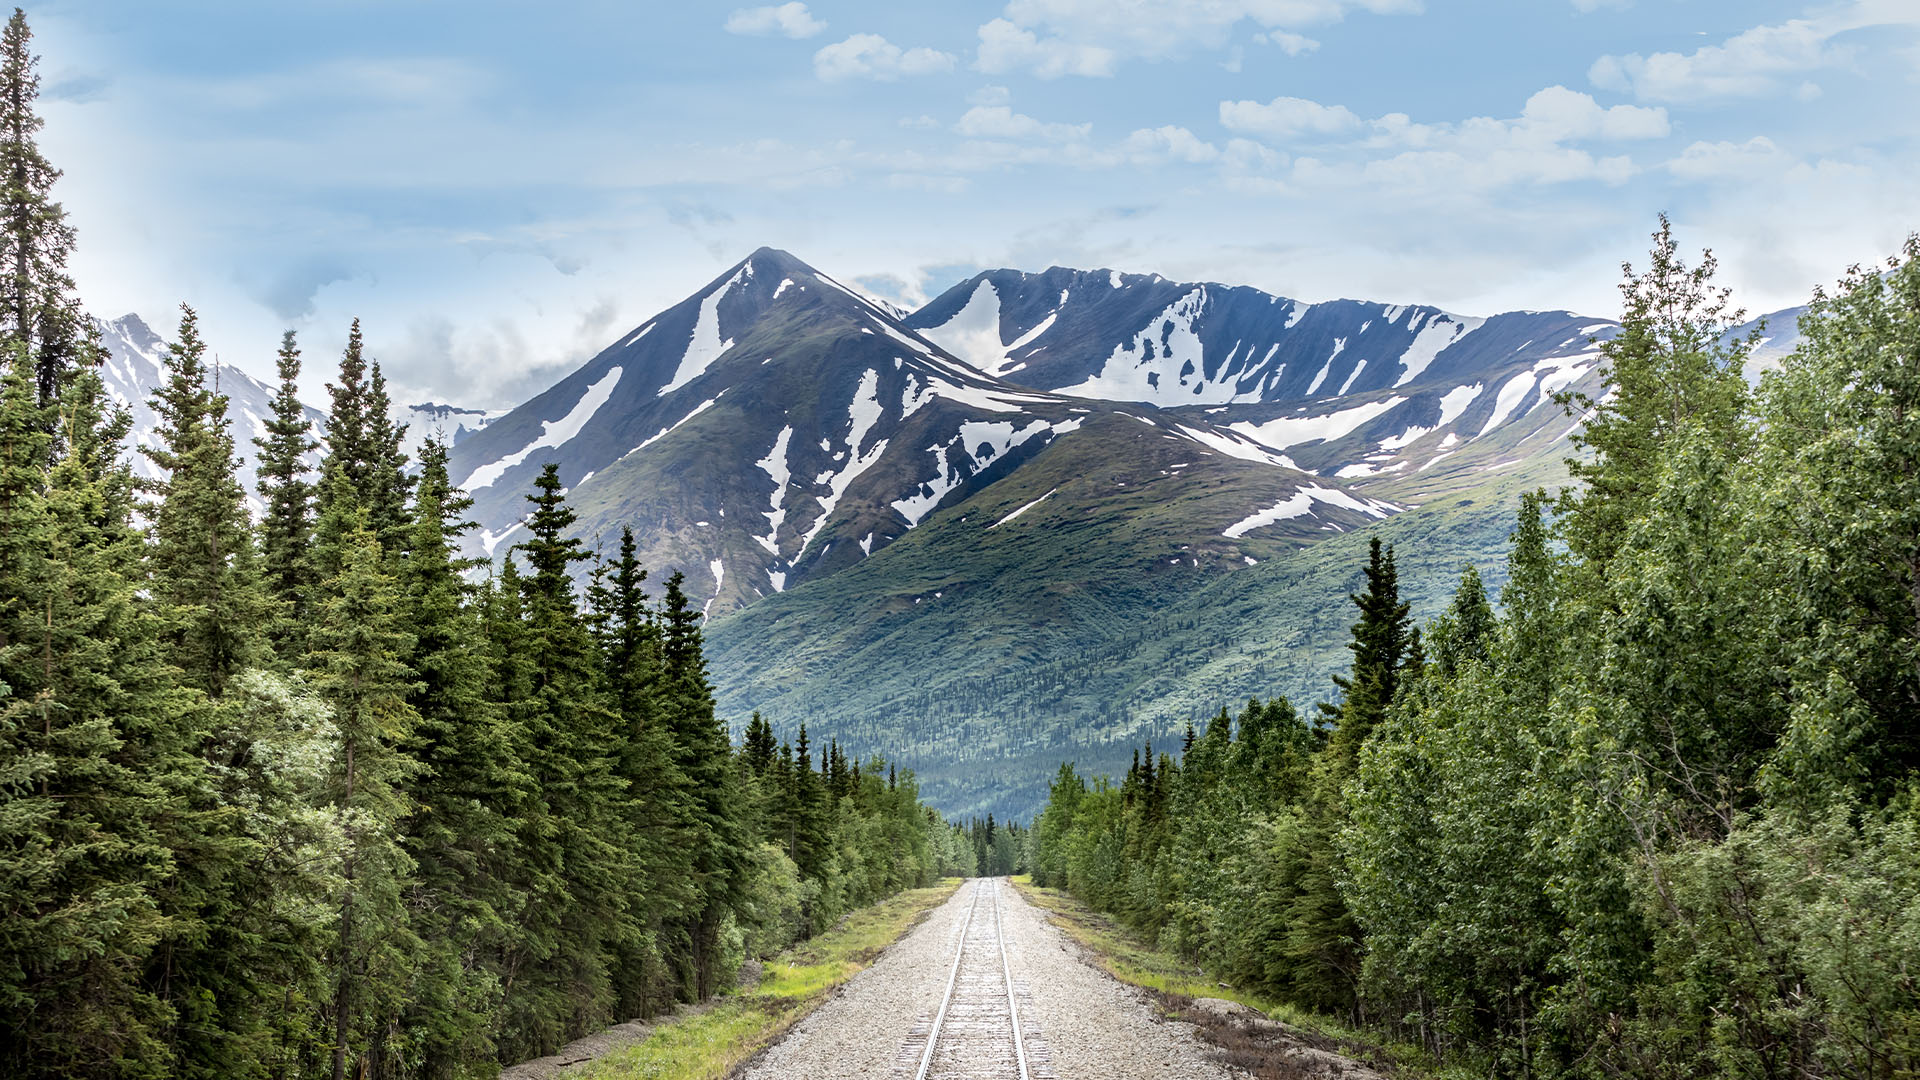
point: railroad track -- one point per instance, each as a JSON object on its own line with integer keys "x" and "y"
{"x": 980, "y": 1031}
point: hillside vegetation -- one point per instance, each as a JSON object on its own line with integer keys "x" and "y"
{"x": 1658, "y": 815}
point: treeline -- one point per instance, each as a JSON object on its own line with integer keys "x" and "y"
{"x": 298, "y": 798}
{"x": 1657, "y": 815}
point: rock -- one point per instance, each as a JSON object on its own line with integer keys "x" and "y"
{"x": 1227, "y": 1010}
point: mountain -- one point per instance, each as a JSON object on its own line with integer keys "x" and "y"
{"x": 133, "y": 369}
{"x": 1347, "y": 388}
{"x": 449, "y": 423}
{"x": 1046, "y": 515}
{"x": 777, "y": 427}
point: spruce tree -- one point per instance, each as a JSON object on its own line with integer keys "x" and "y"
{"x": 346, "y": 471}
{"x": 388, "y": 483}
{"x": 39, "y": 309}
{"x": 356, "y": 661}
{"x": 1380, "y": 647}
{"x": 573, "y": 841}
{"x": 658, "y": 794}
{"x": 286, "y": 527}
{"x": 76, "y": 925}
{"x": 705, "y": 757}
{"x": 466, "y": 794}
{"x": 202, "y": 562}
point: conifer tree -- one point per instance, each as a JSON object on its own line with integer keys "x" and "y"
{"x": 469, "y": 789}
{"x": 1379, "y": 646}
{"x": 388, "y": 483}
{"x": 286, "y": 527}
{"x": 76, "y": 903}
{"x": 658, "y": 794}
{"x": 346, "y": 471}
{"x": 358, "y": 646}
{"x": 202, "y": 562}
{"x": 577, "y": 905}
{"x": 705, "y": 758}
{"x": 1672, "y": 365}
{"x": 39, "y": 310}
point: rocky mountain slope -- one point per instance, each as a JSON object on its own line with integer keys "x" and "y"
{"x": 776, "y": 427}
{"x": 1044, "y": 516}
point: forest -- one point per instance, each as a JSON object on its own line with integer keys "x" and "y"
{"x": 1657, "y": 813}
{"x": 312, "y": 795}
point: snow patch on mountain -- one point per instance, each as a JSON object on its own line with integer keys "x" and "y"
{"x": 719, "y": 569}
{"x": 1291, "y": 431}
{"x": 1339, "y": 346}
{"x": 448, "y": 424}
{"x": 1023, "y": 509}
{"x": 983, "y": 442}
{"x": 1301, "y": 503}
{"x": 1440, "y": 332}
{"x": 863, "y": 412}
{"x": 775, "y": 466}
{"x": 1513, "y": 393}
{"x": 1357, "y": 369}
{"x": 1452, "y": 404}
{"x": 554, "y": 433}
{"x": 706, "y": 344}
{"x": 1222, "y": 442}
{"x": 1163, "y": 363}
{"x": 973, "y": 334}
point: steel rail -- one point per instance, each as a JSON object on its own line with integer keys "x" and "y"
{"x": 1013, "y": 1010}
{"x": 953, "y": 976}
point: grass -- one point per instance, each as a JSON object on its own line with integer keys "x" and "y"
{"x": 1174, "y": 983}
{"x": 715, "y": 1042}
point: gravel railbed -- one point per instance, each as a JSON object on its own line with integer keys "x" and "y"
{"x": 1085, "y": 1024}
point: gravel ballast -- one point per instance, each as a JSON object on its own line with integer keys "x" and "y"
{"x": 1082, "y": 1022}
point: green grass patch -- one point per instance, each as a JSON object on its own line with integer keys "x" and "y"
{"x": 1127, "y": 956}
{"x": 712, "y": 1043}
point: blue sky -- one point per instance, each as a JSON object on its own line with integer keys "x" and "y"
{"x": 499, "y": 189}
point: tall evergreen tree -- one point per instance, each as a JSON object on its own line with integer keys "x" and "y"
{"x": 202, "y": 562}
{"x": 357, "y": 663}
{"x": 579, "y": 863}
{"x": 286, "y": 527}
{"x": 469, "y": 789}
{"x": 77, "y": 906}
{"x": 1380, "y": 644}
{"x": 346, "y": 472}
{"x": 388, "y": 483}
{"x": 39, "y": 309}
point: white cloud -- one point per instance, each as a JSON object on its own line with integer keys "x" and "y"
{"x": 1287, "y": 117}
{"x": 1001, "y": 122}
{"x": 1288, "y": 42}
{"x": 1480, "y": 152}
{"x": 1051, "y": 38}
{"x": 788, "y": 20}
{"x": 1558, "y": 114}
{"x": 1168, "y": 143}
{"x": 1749, "y": 64}
{"x": 1005, "y": 47}
{"x": 1596, "y": 5}
{"x": 870, "y": 56}
{"x": 1756, "y": 157}
{"x": 990, "y": 95}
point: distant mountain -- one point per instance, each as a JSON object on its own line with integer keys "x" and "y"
{"x": 1047, "y": 514}
{"x": 776, "y": 427}
{"x": 133, "y": 370}
{"x": 451, "y": 424}
{"x": 1347, "y": 388}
